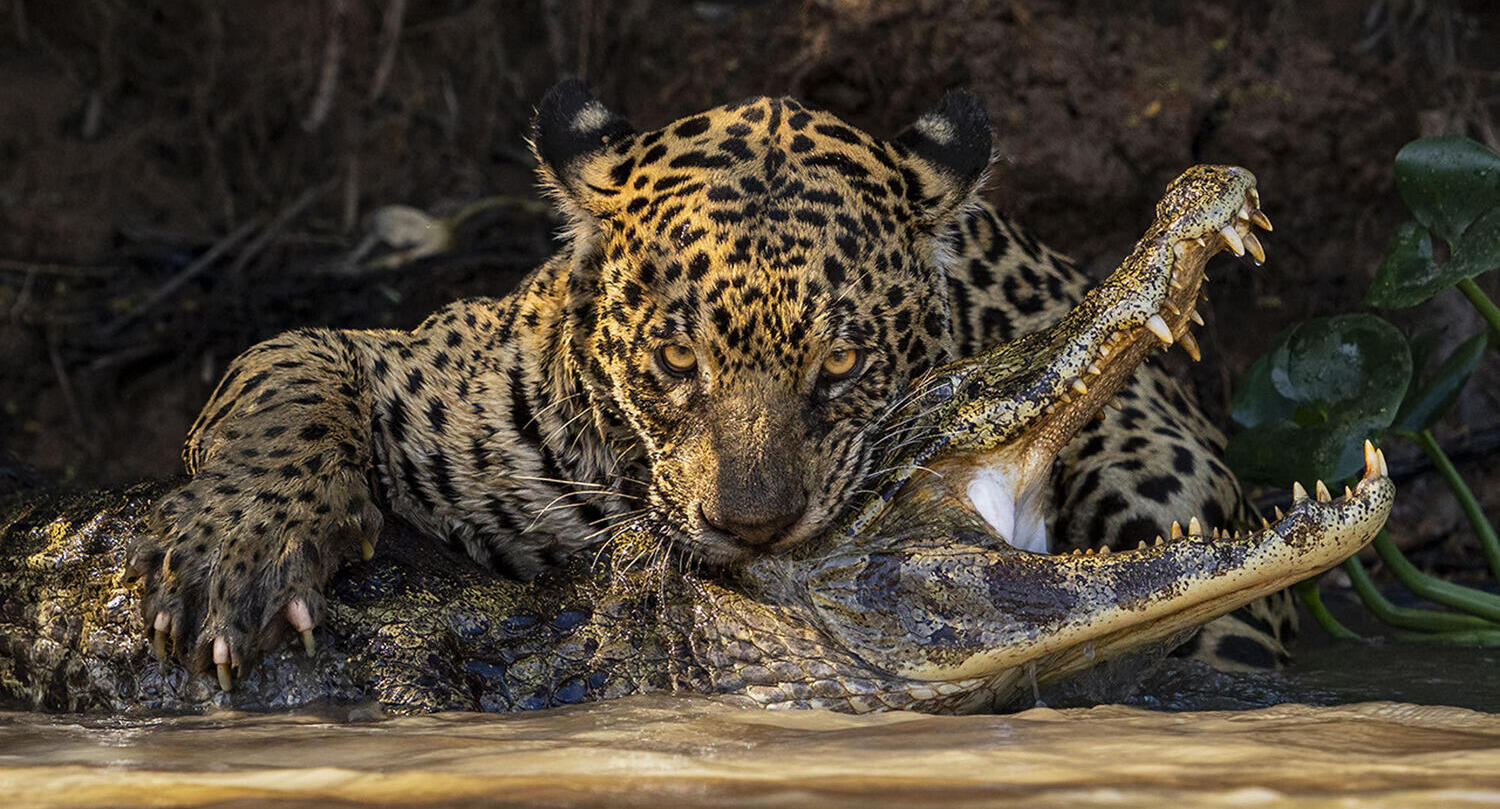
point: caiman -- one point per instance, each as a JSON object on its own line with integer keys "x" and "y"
{"x": 914, "y": 601}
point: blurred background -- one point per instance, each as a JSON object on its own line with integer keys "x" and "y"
{"x": 182, "y": 178}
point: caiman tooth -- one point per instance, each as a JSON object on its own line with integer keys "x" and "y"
{"x": 1115, "y": 403}
{"x": 1200, "y": 241}
{"x": 1298, "y": 493}
{"x": 1215, "y": 533}
{"x": 1372, "y": 463}
{"x": 1172, "y": 307}
{"x": 1104, "y": 550}
{"x": 1254, "y": 194}
{"x": 366, "y": 550}
{"x": 1232, "y": 239}
{"x": 1080, "y": 388}
{"x": 1195, "y": 317}
{"x": 1190, "y": 345}
{"x": 1094, "y": 369}
{"x": 1256, "y": 250}
{"x": 1279, "y": 515}
{"x": 1159, "y": 327}
{"x": 1322, "y": 492}
{"x": 1385, "y": 472}
{"x": 1066, "y": 399}
{"x": 1142, "y": 546}
{"x": 1348, "y": 494}
{"x": 1260, "y": 220}
{"x": 1265, "y": 524}
{"x": 1176, "y": 530}
{"x": 1179, "y": 249}
{"x": 1194, "y": 529}
{"x": 1159, "y": 540}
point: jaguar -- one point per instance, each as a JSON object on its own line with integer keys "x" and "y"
{"x": 744, "y": 299}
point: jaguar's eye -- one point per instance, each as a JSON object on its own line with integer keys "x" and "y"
{"x": 843, "y": 363}
{"x": 677, "y": 359}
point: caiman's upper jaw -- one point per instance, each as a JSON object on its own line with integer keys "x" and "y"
{"x": 1006, "y": 413}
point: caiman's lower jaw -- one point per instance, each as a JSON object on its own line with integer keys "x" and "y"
{"x": 1149, "y": 303}
{"x": 974, "y": 620}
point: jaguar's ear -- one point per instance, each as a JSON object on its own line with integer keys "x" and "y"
{"x": 950, "y": 150}
{"x": 576, "y": 140}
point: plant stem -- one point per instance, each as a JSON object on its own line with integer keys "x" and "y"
{"x": 1307, "y": 590}
{"x": 1486, "y": 307}
{"x": 1406, "y": 617}
{"x": 1431, "y": 588}
{"x": 1486, "y": 532}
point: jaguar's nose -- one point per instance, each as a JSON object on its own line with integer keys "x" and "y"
{"x": 758, "y": 527}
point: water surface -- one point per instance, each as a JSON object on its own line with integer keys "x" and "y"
{"x": 691, "y": 751}
{"x": 1384, "y": 730}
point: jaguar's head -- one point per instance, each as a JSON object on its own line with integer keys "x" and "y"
{"x": 752, "y": 291}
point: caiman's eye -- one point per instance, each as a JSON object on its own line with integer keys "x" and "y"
{"x": 677, "y": 359}
{"x": 843, "y": 363}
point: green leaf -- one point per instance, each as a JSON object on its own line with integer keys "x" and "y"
{"x": 1277, "y": 454}
{"x": 1310, "y": 403}
{"x": 1478, "y": 249}
{"x": 1448, "y": 181}
{"x": 1408, "y": 275}
{"x": 1257, "y": 401}
{"x": 1428, "y": 402}
{"x": 1351, "y": 362}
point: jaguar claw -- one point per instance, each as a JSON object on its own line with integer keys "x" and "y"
{"x": 221, "y": 664}
{"x": 300, "y": 617}
{"x": 160, "y": 631}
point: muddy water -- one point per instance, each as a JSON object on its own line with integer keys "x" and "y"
{"x": 1352, "y": 724}
{"x": 1385, "y": 731}
{"x": 674, "y": 751}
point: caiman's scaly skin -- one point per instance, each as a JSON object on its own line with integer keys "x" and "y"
{"x": 915, "y": 602}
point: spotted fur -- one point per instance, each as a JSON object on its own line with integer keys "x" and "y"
{"x": 759, "y": 240}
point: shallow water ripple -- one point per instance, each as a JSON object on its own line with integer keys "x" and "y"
{"x": 688, "y": 751}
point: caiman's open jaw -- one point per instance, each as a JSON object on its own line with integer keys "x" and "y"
{"x": 919, "y": 588}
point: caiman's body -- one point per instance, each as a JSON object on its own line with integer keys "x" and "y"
{"x": 915, "y": 603}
